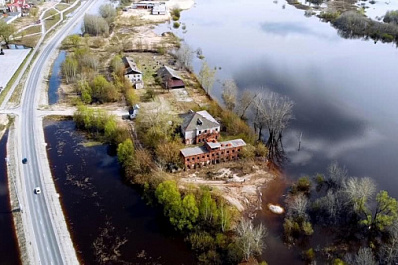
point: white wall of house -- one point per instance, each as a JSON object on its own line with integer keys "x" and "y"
{"x": 135, "y": 77}
{"x": 206, "y": 131}
{"x": 189, "y": 137}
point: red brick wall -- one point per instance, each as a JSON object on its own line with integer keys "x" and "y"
{"x": 216, "y": 156}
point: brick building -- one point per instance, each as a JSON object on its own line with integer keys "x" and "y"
{"x": 211, "y": 152}
{"x": 199, "y": 126}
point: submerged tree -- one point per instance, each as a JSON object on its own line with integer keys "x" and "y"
{"x": 229, "y": 94}
{"x": 272, "y": 111}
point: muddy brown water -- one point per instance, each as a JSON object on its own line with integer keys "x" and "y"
{"x": 102, "y": 210}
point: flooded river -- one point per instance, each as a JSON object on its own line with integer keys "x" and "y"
{"x": 344, "y": 89}
{"x": 105, "y": 215}
{"x": 9, "y": 253}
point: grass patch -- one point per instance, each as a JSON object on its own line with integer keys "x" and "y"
{"x": 31, "y": 30}
{"x": 61, "y": 7}
{"x": 91, "y": 144}
{"x": 48, "y": 23}
{"x": 30, "y": 41}
{"x": 13, "y": 78}
{"x": 49, "y": 13}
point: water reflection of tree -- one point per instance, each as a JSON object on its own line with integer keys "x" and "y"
{"x": 273, "y": 112}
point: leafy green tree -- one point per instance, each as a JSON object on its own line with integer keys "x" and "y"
{"x": 208, "y": 208}
{"x": 189, "y": 213}
{"x": 225, "y": 216}
{"x": 69, "y": 68}
{"x": 131, "y": 97}
{"x": 207, "y": 77}
{"x": 125, "y": 152}
{"x": 385, "y": 214}
{"x": 108, "y": 12}
{"x": 169, "y": 196}
{"x": 6, "y": 31}
{"x": 110, "y": 129}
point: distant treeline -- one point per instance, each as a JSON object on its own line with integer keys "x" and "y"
{"x": 352, "y": 24}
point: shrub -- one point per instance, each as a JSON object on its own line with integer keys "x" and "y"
{"x": 176, "y": 25}
{"x": 309, "y": 255}
{"x": 391, "y": 17}
{"x": 302, "y": 185}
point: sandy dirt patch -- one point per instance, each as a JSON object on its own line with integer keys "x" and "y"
{"x": 240, "y": 190}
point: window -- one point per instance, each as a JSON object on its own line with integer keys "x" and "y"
{"x": 187, "y": 159}
{"x": 205, "y": 131}
{"x": 216, "y": 129}
{"x": 199, "y": 132}
{"x": 207, "y": 155}
{"x": 222, "y": 153}
{"x": 227, "y": 152}
{"x": 212, "y": 154}
{"x": 238, "y": 149}
{"x": 233, "y": 151}
{"x": 203, "y": 156}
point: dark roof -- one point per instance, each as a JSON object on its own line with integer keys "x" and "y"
{"x": 190, "y": 151}
{"x": 200, "y": 120}
{"x": 131, "y": 66}
{"x": 167, "y": 71}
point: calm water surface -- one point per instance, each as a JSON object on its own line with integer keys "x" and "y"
{"x": 344, "y": 89}
{"x": 102, "y": 210}
{"x": 56, "y": 78}
{"x": 9, "y": 252}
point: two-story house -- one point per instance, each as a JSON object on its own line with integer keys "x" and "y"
{"x": 199, "y": 126}
{"x": 132, "y": 72}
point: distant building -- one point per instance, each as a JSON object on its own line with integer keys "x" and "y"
{"x": 18, "y": 6}
{"x": 144, "y": 5}
{"x": 133, "y": 73}
{"x": 212, "y": 152}
{"x": 159, "y": 9}
{"x": 170, "y": 78}
{"x": 198, "y": 127}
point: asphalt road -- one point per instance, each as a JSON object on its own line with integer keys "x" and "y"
{"x": 44, "y": 238}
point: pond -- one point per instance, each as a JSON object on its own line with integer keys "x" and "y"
{"x": 9, "y": 251}
{"x": 344, "y": 89}
{"x": 105, "y": 215}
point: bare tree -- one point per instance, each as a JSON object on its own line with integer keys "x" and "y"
{"x": 184, "y": 56}
{"x": 389, "y": 250}
{"x": 363, "y": 257}
{"x": 207, "y": 77}
{"x": 358, "y": 191}
{"x": 229, "y": 94}
{"x": 298, "y": 206}
{"x": 336, "y": 175}
{"x": 273, "y": 112}
{"x": 245, "y": 101}
{"x": 250, "y": 239}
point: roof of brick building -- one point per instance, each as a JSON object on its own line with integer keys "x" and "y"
{"x": 198, "y": 150}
